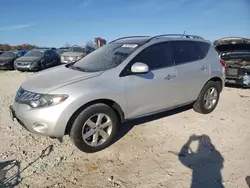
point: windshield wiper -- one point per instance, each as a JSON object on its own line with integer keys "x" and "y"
{"x": 78, "y": 68}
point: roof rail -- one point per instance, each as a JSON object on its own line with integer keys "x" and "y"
{"x": 127, "y": 38}
{"x": 177, "y": 35}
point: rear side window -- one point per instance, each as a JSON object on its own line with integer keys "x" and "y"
{"x": 203, "y": 47}
{"x": 187, "y": 51}
{"x": 155, "y": 56}
{"x": 184, "y": 51}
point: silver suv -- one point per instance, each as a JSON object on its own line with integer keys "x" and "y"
{"x": 128, "y": 78}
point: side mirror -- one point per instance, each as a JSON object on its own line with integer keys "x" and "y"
{"x": 139, "y": 68}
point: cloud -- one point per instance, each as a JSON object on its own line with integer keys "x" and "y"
{"x": 84, "y": 4}
{"x": 15, "y": 27}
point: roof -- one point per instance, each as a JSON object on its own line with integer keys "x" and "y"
{"x": 133, "y": 40}
{"x": 145, "y": 39}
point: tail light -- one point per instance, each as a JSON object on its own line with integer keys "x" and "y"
{"x": 223, "y": 63}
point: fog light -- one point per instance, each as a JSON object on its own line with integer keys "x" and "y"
{"x": 40, "y": 127}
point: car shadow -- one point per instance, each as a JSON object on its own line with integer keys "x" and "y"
{"x": 128, "y": 126}
{"x": 10, "y": 173}
{"x": 206, "y": 162}
{"x": 248, "y": 181}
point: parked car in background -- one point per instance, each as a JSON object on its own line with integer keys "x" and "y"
{"x": 73, "y": 54}
{"x": 89, "y": 49}
{"x": 128, "y": 78}
{"x": 37, "y": 59}
{"x": 7, "y": 59}
{"x": 62, "y": 50}
{"x": 1, "y": 51}
{"x": 235, "y": 51}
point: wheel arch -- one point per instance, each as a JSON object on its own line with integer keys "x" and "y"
{"x": 218, "y": 80}
{"x": 114, "y": 105}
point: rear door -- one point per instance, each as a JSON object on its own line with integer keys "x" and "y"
{"x": 155, "y": 90}
{"x": 193, "y": 69}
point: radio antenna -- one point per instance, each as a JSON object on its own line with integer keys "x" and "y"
{"x": 183, "y": 33}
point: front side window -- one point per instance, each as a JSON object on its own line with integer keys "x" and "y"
{"x": 155, "y": 56}
{"x": 20, "y": 54}
{"x": 106, "y": 57}
{"x": 184, "y": 51}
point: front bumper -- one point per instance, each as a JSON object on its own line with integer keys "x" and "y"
{"x": 26, "y": 67}
{"x": 42, "y": 121}
{"x": 6, "y": 66}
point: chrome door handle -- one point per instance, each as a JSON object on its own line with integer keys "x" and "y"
{"x": 204, "y": 68}
{"x": 170, "y": 77}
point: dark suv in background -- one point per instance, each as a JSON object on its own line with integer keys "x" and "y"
{"x": 37, "y": 59}
{"x": 235, "y": 51}
{"x": 7, "y": 59}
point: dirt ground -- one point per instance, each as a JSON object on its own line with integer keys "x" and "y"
{"x": 148, "y": 153}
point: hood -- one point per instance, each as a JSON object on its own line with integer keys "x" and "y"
{"x": 54, "y": 78}
{"x": 72, "y": 54}
{"x": 29, "y": 59}
{"x": 230, "y": 44}
{"x": 6, "y": 58}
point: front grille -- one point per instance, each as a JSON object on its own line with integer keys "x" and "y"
{"x": 23, "y": 63}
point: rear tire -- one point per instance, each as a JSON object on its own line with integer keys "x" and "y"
{"x": 90, "y": 135}
{"x": 202, "y": 103}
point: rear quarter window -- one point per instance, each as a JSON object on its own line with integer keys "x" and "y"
{"x": 184, "y": 52}
{"x": 203, "y": 49}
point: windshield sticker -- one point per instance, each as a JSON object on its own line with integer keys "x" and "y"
{"x": 129, "y": 45}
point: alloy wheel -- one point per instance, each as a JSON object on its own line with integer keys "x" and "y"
{"x": 97, "y": 129}
{"x": 210, "y": 98}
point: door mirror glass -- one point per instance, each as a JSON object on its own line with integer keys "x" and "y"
{"x": 139, "y": 68}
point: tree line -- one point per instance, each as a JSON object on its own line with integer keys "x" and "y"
{"x": 7, "y": 47}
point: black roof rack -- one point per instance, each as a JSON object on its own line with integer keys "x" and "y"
{"x": 177, "y": 35}
{"x": 128, "y": 38}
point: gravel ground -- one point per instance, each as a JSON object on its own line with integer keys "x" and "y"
{"x": 146, "y": 153}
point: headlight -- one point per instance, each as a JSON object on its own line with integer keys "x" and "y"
{"x": 62, "y": 58}
{"x": 78, "y": 57}
{"x": 48, "y": 100}
{"x": 35, "y": 100}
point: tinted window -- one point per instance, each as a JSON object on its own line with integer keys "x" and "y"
{"x": 203, "y": 47}
{"x": 22, "y": 53}
{"x": 34, "y": 53}
{"x": 155, "y": 56}
{"x": 184, "y": 51}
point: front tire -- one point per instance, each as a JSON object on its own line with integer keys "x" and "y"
{"x": 42, "y": 66}
{"x": 95, "y": 128}
{"x": 208, "y": 98}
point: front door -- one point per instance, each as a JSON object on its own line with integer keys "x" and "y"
{"x": 153, "y": 91}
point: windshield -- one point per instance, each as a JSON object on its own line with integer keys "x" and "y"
{"x": 106, "y": 57}
{"x": 8, "y": 54}
{"x": 76, "y": 49}
{"x": 34, "y": 53}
